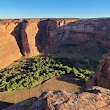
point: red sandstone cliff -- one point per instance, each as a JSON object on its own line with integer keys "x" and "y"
{"x": 9, "y": 49}
{"x": 20, "y": 37}
{"x": 27, "y": 37}
{"x": 83, "y": 31}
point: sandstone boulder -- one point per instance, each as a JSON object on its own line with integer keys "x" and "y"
{"x": 102, "y": 75}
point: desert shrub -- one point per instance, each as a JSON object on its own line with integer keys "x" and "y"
{"x": 81, "y": 74}
{"x": 39, "y": 70}
{"x": 68, "y": 69}
{"x": 87, "y": 72}
{"x": 81, "y": 77}
{"x": 33, "y": 67}
{"x": 75, "y": 72}
{"x": 24, "y": 60}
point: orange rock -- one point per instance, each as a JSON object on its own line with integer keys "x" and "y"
{"x": 28, "y": 36}
{"x": 102, "y": 75}
{"x": 9, "y": 49}
{"x": 96, "y": 98}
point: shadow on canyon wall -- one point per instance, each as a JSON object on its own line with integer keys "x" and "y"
{"x": 42, "y": 38}
{"x": 21, "y": 37}
{"x": 17, "y": 34}
{"x": 63, "y": 34}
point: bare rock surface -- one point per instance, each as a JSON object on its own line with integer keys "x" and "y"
{"x": 95, "y": 98}
{"x": 28, "y": 36}
{"x": 102, "y": 75}
{"x": 9, "y": 49}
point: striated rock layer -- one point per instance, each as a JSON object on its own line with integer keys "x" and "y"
{"x": 19, "y": 37}
{"x": 96, "y": 98}
{"x": 102, "y": 75}
{"x": 28, "y": 37}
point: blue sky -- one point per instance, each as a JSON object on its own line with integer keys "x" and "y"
{"x": 54, "y": 8}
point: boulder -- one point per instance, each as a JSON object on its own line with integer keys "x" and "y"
{"x": 102, "y": 75}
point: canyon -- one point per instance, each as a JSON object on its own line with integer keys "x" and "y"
{"x": 31, "y": 37}
{"x": 28, "y": 37}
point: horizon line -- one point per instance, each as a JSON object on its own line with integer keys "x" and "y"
{"x": 54, "y": 18}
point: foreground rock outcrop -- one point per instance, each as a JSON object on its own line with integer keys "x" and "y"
{"x": 96, "y": 98}
{"x": 102, "y": 75}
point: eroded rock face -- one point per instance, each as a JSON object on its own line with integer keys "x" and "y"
{"x": 77, "y": 32}
{"x": 102, "y": 75}
{"x": 46, "y": 27}
{"x": 89, "y": 33}
{"x": 28, "y": 37}
{"x": 96, "y": 98}
{"x": 9, "y": 48}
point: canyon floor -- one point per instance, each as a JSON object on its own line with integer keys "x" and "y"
{"x": 67, "y": 83}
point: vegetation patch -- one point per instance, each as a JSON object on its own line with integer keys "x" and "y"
{"x": 32, "y": 72}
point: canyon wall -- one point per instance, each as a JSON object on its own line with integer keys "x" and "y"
{"x": 19, "y": 37}
{"x": 9, "y": 49}
{"x": 27, "y": 37}
{"x": 87, "y": 37}
{"x": 83, "y": 31}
